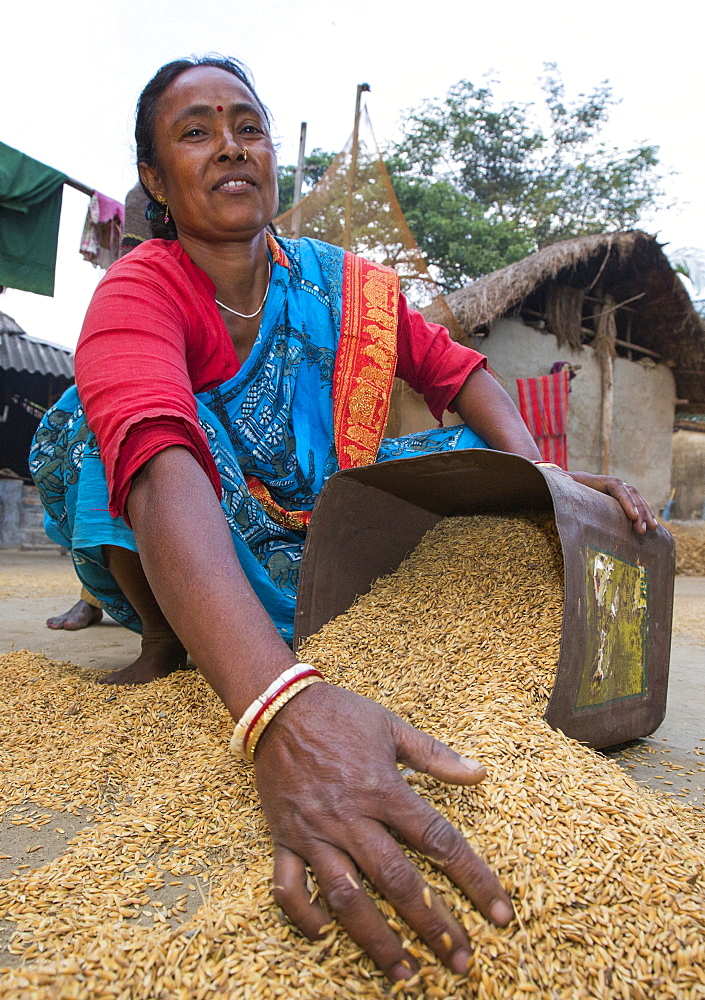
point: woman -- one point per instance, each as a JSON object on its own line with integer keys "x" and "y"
{"x": 219, "y": 362}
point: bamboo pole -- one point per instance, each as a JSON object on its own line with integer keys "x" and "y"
{"x": 298, "y": 182}
{"x": 83, "y": 188}
{"x": 361, "y": 88}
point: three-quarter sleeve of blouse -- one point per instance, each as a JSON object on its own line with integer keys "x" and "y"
{"x": 433, "y": 365}
{"x": 132, "y": 371}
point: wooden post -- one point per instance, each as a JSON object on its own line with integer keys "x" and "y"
{"x": 298, "y": 181}
{"x": 604, "y": 346}
{"x": 607, "y": 370}
{"x": 361, "y": 88}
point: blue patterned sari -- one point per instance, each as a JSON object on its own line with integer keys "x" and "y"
{"x": 273, "y": 420}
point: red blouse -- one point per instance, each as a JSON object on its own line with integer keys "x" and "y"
{"x": 153, "y": 336}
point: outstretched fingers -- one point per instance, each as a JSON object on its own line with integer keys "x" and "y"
{"x": 424, "y": 753}
{"x": 293, "y": 893}
{"x": 421, "y": 826}
{"x": 401, "y": 884}
{"x": 418, "y": 823}
{"x": 347, "y": 899}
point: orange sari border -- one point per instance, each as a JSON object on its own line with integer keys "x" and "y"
{"x": 365, "y": 364}
{"x": 278, "y": 255}
{"x": 366, "y": 360}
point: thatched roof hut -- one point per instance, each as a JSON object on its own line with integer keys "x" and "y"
{"x": 563, "y": 289}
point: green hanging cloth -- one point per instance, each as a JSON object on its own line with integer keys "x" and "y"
{"x": 30, "y": 206}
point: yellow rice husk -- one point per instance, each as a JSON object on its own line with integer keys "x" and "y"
{"x": 606, "y": 876}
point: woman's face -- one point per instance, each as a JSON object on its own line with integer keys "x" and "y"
{"x": 205, "y": 118}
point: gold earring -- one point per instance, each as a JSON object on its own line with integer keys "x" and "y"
{"x": 244, "y": 154}
{"x": 162, "y": 201}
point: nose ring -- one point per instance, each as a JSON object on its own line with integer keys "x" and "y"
{"x": 243, "y": 154}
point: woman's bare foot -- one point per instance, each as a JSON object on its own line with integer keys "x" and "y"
{"x": 158, "y": 658}
{"x": 81, "y": 615}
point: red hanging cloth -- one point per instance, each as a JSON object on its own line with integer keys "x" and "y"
{"x": 543, "y": 403}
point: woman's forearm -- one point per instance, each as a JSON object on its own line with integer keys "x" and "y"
{"x": 190, "y": 562}
{"x": 488, "y": 410}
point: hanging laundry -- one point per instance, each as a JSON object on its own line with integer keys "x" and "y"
{"x": 102, "y": 231}
{"x": 543, "y": 403}
{"x": 30, "y": 207}
{"x": 559, "y": 366}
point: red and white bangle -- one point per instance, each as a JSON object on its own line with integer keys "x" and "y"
{"x": 260, "y": 713}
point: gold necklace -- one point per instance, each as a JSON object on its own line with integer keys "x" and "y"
{"x": 261, "y": 305}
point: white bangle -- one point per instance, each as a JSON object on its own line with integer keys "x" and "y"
{"x": 249, "y": 716}
{"x": 278, "y": 702}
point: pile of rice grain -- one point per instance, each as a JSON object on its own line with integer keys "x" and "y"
{"x": 690, "y": 546}
{"x": 607, "y": 877}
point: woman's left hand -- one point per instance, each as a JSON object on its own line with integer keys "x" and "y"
{"x": 488, "y": 410}
{"x": 633, "y": 504}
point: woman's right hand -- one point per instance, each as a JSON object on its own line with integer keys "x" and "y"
{"x": 329, "y": 783}
{"x": 327, "y": 763}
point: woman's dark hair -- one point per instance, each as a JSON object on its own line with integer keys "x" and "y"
{"x": 146, "y": 116}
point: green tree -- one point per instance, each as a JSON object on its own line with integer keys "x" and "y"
{"x": 482, "y": 183}
{"x": 452, "y": 230}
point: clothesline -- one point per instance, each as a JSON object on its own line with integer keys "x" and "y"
{"x": 79, "y": 187}
{"x": 30, "y": 211}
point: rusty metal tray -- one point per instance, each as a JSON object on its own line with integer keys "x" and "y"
{"x": 612, "y": 673}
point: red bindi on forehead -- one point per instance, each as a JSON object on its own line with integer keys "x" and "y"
{"x": 219, "y": 107}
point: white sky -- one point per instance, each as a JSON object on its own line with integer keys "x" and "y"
{"x": 70, "y": 74}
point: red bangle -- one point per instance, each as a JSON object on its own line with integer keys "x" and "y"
{"x": 274, "y": 691}
{"x": 277, "y": 694}
{"x": 279, "y": 702}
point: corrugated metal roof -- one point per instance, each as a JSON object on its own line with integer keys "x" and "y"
{"x": 27, "y": 354}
